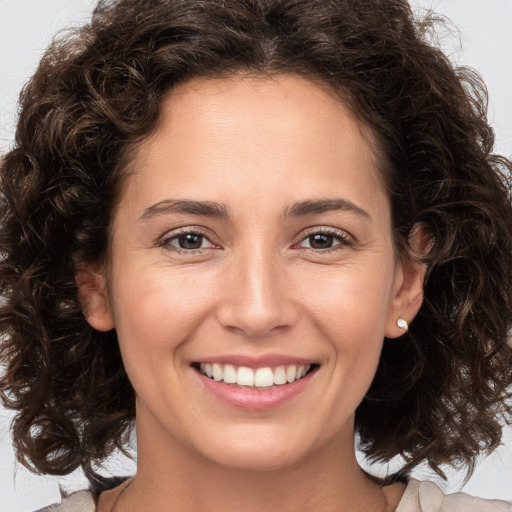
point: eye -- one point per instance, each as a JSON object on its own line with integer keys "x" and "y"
{"x": 325, "y": 240}
{"x": 186, "y": 241}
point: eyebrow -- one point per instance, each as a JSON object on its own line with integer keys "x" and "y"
{"x": 203, "y": 208}
{"x": 213, "y": 209}
{"x": 312, "y": 207}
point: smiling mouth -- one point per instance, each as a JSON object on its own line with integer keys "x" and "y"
{"x": 255, "y": 378}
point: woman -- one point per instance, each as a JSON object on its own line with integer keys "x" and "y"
{"x": 256, "y": 228}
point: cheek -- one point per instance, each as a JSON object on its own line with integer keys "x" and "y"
{"x": 351, "y": 300}
{"x": 159, "y": 310}
{"x": 156, "y": 315}
{"x": 350, "y": 310}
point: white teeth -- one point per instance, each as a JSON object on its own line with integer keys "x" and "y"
{"x": 229, "y": 374}
{"x": 301, "y": 371}
{"x": 218, "y": 374}
{"x": 245, "y": 376}
{"x": 265, "y": 377}
{"x": 280, "y": 375}
{"x": 291, "y": 373}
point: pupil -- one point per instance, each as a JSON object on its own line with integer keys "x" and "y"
{"x": 321, "y": 241}
{"x": 190, "y": 241}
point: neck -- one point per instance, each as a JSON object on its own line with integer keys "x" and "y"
{"x": 329, "y": 479}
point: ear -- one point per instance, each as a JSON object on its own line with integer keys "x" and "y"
{"x": 408, "y": 283}
{"x": 93, "y": 296}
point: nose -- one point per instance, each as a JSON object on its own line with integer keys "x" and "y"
{"x": 257, "y": 298}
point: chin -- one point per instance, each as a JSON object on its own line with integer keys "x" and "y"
{"x": 257, "y": 461}
{"x": 256, "y": 454}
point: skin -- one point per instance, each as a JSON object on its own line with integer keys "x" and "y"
{"x": 258, "y": 285}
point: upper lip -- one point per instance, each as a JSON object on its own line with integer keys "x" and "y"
{"x": 260, "y": 361}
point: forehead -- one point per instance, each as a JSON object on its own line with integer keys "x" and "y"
{"x": 237, "y": 130}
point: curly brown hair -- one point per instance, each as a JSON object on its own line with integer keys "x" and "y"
{"x": 440, "y": 391}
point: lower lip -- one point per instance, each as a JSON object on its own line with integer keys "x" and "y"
{"x": 254, "y": 399}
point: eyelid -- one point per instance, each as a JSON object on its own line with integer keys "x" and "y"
{"x": 164, "y": 240}
{"x": 347, "y": 240}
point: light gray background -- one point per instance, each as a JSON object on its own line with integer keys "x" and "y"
{"x": 484, "y": 42}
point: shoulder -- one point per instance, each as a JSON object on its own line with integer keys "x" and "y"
{"x": 85, "y": 500}
{"x": 81, "y": 501}
{"x": 427, "y": 497}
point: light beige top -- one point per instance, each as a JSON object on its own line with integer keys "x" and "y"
{"x": 427, "y": 497}
{"x": 418, "y": 497}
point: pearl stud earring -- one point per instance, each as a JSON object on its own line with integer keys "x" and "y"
{"x": 402, "y": 324}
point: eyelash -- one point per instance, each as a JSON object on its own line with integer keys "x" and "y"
{"x": 342, "y": 237}
{"x": 166, "y": 241}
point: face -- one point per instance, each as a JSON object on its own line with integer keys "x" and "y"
{"x": 252, "y": 276}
